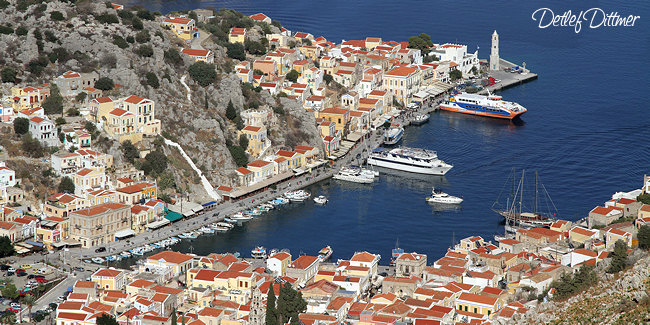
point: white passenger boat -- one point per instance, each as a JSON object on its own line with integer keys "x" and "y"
{"x": 297, "y": 196}
{"x": 321, "y": 199}
{"x": 412, "y": 160}
{"x": 98, "y": 260}
{"x": 420, "y": 119}
{"x": 442, "y": 197}
{"x": 125, "y": 254}
{"x": 490, "y": 106}
{"x": 393, "y": 135}
{"x": 225, "y": 224}
{"x": 207, "y": 230}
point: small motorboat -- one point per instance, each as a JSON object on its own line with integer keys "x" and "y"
{"x": 325, "y": 253}
{"x": 321, "y": 199}
{"x": 125, "y": 254}
{"x": 420, "y": 119}
{"x": 111, "y": 258}
{"x": 98, "y": 260}
{"x": 258, "y": 252}
{"x": 225, "y": 224}
{"x": 187, "y": 235}
{"x": 442, "y": 197}
{"x": 207, "y": 230}
{"x": 297, "y": 196}
{"x": 229, "y": 220}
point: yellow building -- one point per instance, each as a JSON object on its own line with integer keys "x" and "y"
{"x": 402, "y": 83}
{"x": 121, "y": 126}
{"x": 184, "y": 28}
{"x": 99, "y": 109}
{"x": 88, "y": 179}
{"x": 61, "y": 204}
{"x": 372, "y": 42}
{"x": 256, "y": 139}
{"x": 144, "y": 110}
{"x": 294, "y": 159}
{"x": 109, "y": 279}
{"x": 478, "y": 304}
{"x": 237, "y": 35}
{"x": 52, "y": 230}
{"x": 98, "y": 225}
{"x": 28, "y": 97}
{"x": 613, "y": 235}
{"x": 135, "y": 193}
{"x": 581, "y": 235}
{"x": 337, "y": 115}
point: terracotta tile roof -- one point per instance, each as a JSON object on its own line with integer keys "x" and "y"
{"x": 107, "y": 273}
{"x": 479, "y": 299}
{"x": 281, "y": 256}
{"x": 243, "y": 170}
{"x": 194, "y": 52}
{"x": 258, "y": 163}
{"x": 171, "y": 257}
{"x": 177, "y": 20}
{"x": 303, "y": 262}
{"x": 103, "y": 100}
{"x": 133, "y": 99}
{"x": 101, "y": 208}
{"x": 259, "y": 16}
{"x": 119, "y": 112}
{"x": 401, "y": 72}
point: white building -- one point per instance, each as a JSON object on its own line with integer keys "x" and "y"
{"x": 7, "y": 175}
{"x": 578, "y": 256}
{"x": 458, "y": 53}
{"x": 44, "y": 131}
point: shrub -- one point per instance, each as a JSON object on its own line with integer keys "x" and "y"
{"x": 203, "y": 73}
{"x": 125, "y": 14}
{"x": 8, "y": 74}
{"x": 59, "y": 121}
{"x": 104, "y": 83}
{"x": 107, "y": 19}
{"x": 255, "y": 48}
{"x": 53, "y": 104}
{"x": 120, "y": 42}
{"x": 130, "y": 151}
{"x": 31, "y": 147}
{"x": 172, "y": 56}
{"x": 152, "y": 80}
{"x": 146, "y": 14}
{"x": 155, "y": 163}
{"x": 136, "y": 23}
{"x": 644, "y": 237}
{"x": 57, "y": 16}
{"x": 293, "y": 75}
{"x": 130, "y": 39}
{"x": 235, "y": 51}
{"x": 142, "y": 36}
{"x": 66, "y": 185}
{"x": 239, "y": 155}
{"x": 6, "y": 29}
{"x": 50, "y": 37}
{"x": 4, "y": 4}
{"x": 619, "y": 257}
{"x": 21, "y": 125}
{"x": 145, "y": 51}
{"x": 36, "y": 66}
{"x": 21, "y": 31}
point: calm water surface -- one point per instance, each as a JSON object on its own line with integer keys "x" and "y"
{"x": 586, "y": 130}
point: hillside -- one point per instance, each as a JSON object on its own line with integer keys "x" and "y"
{"x": 43, "y": 39}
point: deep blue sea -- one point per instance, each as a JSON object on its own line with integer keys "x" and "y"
{"x": 587, "y": 129}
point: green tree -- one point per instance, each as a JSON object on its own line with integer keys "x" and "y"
{"x": 107, "y": 19}
{"x": 253, "y": 47}
{"x": 53, "y": 104}
{"x": 136, "y": 23}
{"x": 155, "y": 162}
{"x": 106, "y": 319}
{"x": 21, "y": 31}
{"x": 30, "y": 301}
{"x": 619, "y": 257}
{"x": 644, "y": 198}
{"x": 81, "y": 97}
{"x": 21, "y": 125}
{"x": 152, "y": 80}
{"x": 130, "y": 151}
{"x": 455, "y": 75}
{"x": 8, "y": 318}
{"x": 235, "y": 51}
{"x": 8, "y": 74}
{"x": 166, "y": 181}
{"x": 290, "y": 304}
{"x": 328, "y": 78}
{"x": 203, "y": 73}
{"x": 90, "y": 127}
{"x": 66, "y": 185}
{"x": 56, "y": 15}
{"x": 271, "y": 312}
{"x": 231, "y": 112}
{"x": 243, "y": 141}
{"x": 474, "y": 70}
{"x": 10, "y": 290}
{"x": 293, "y": 75}
{"x": 104, "y": 83}
{"x": 145, "y": 51}
{"x": 6, "y": 249}
{"x": 174, "y": 317}
{"x": 239, "y": 155}
{"x": 31, "y": 147}
{"x": 643, "y": 235}
{"x": 59, "y": 121}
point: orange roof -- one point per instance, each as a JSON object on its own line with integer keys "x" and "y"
{"x": 119, "y": 112}
{"x": 183, "y": 21}
{"x": 243, "y": 170}
{"x": 72, "y": 316}
{"x": 474, "y": 298}
{"x": 334, "y": 110}
{"x": 258, "y": 163}
{"x": 107, "y": 273}
{"x": 363, "y": 257}
{"x": 252, "y": 128}
{"x": 141, "y": 283}
{"x": 583, "y": 231}
{"x": 133, "y": 99}
{"x": 281, "y": 256}
{"x": 103, "y": 100}
{"x": 84, "y": 284}
{"x": 101, "y": 208}
{"x": 210, "y": 312}
{"x": 303, "y": 262}
{"x": 194, "y": 52}
{"x": 134, "y": 188}
{"x": 509, "y": 241}
{"x": 37, "y": 119}
{"x": 618, "y": 232}
{"x": 171, "y": 257}
{"x": 401, "y": 72}
{"x": 259, "y": 17}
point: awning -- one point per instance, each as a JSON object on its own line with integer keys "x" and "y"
{"x": 59, "y": 244}
{"x": 173, "y": 216}
{"x": 21, "y": 250}
{"x": 124, "y": 233}
{"x": 158, "y": 224}
{"x": 31, "y": 242}
{"x": 197, "y": 208}
{"x": 209, "y": 204}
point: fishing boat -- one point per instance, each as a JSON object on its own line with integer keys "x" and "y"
{"x": 489, "y": 106}
{"x": 207, "y": 230}
{"x": 420, "y": 119}
{"x": 395, "y": 253}
{"x": 355, "y": 175}
{"x": 252, "y": 213}
{"x": 240, "y": 217}
{"x": 517, "y": 213}
{"x": 442, "y": 197}
{"x": 111, "y": 258}
{"x": 279, "y": 201}
{"x": 258, "y": 252}
{"x": 229, "y": 220}
{"x": 297, "y": 196}
{"x": 393, "y": 135}
{"x": 412, "y": 160}
{"x": 187, "y": 235}
{"x": 225, "y": 224}
{"x": 321, "y": 199}
{"x": 325, "y": 253}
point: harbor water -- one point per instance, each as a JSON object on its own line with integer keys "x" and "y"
{"x": 586, "y": 131}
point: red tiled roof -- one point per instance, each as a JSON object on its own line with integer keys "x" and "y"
{"x": 303, "y": 262}
{"x": 194, "y": 52}
{"x": 101, "y": 208}
{"x": 171, "y": 257}
{"x": 175, "y": 20}
{"x": 107, "y": 273}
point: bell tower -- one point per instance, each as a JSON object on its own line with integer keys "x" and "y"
{"x": 494, "y": 52}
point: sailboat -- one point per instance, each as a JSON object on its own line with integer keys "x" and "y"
{"x": 517, "y": 215}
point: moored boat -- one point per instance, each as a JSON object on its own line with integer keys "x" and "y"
{"x": 355, "y": 175}
{"x": 412, "y": 160}
{"x": 325, "y": 253}
{"x": 321, "y": 199}
{"x": 258, "y": 252}
{"x": 442, "y": 197}
{"x": 489, "y": 106}
{"x": 420, "y": 119}
{"x": 393, "y": 135}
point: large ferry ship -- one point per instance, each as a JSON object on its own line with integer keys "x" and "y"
{"x": 490, "y": 106}
{"x": 412, "y": 160}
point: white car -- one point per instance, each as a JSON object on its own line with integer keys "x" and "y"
{"x": 15, "y": 305}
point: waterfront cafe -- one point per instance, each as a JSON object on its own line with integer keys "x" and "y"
{"x": 258, "y": 187}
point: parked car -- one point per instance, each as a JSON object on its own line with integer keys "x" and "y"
{"x": 43, "y": 270}
{"x": 11, "y": 269}
{"x": 26, "y": 266}
{"x": 4, "y": 267}
{"x": 100, "y": 249}
{"x": 15, "y": 305}
{"x": 31, "y": 276}
{"x": 79, "y": 269}
{"x": 10, "y": 273}
{"x": 20, "y": 270}
{"x": 21, "y": 273}
{"x": 11, "y": 310}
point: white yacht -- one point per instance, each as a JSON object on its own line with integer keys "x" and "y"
{"x": 412, "y": 160}
{"x": 355, "y": 175}
{"x": 321, "y": 199}
{"x": 420, "y": 119}
{"x": 442, "y": 197}
{"x": 297, "y": 196}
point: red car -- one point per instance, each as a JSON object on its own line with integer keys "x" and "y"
{"x": 20, "y": 271}
{"x": 41, "y": 280}
{"x": 12, "y": 310}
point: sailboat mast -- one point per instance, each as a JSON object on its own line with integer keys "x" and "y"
{"x": 536, "y": 194}
{"x": 521, "y": 188}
